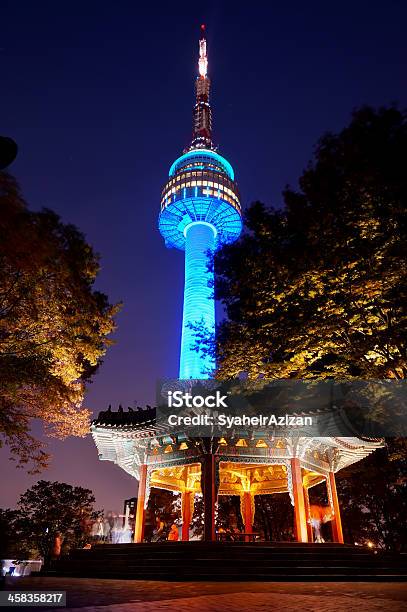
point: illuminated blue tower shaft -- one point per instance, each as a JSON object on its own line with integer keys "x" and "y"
{"x": 199, "y": 304}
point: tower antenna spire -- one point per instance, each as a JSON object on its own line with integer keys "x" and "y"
{"x": 203, "y": 59}
{"x": 202, "y": 116}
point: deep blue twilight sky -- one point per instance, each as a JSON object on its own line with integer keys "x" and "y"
{"x": 99, "y": 95}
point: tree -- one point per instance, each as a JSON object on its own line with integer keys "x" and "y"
{"x": 8, "y": 520}
{"x": 54, "y": 326}
{"x": 274, "y": 517}
{"x": 317, "y": 289}
{"x": 162, "y": 504}
{"x": 48, "y": 508}
{"x": 373, "y": 498}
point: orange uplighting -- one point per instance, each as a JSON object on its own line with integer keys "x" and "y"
{"x": 261, "y": 444}
{"x": 241, "y": 442}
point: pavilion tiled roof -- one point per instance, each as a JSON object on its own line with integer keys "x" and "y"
{"x": 132, "y": 417}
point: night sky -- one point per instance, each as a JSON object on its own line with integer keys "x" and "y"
{"x": 99, "y": 97}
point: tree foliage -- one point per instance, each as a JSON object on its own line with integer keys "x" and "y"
{"x": 44, "y": 510}
{"x": 317, "y": 288}
{"x": 54, "y": 326}
{"x": 274, "y": 517}
{"x": 8, "y": 520}
{"x": 373, "y": 498}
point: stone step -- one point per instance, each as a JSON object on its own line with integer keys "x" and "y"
{"x": 233, "y": 561}
{"x": 253, "y": 571}
{"x": 259, "y": 577}
{"x": 368, "y": 560}
{"x": 214, "y": 555}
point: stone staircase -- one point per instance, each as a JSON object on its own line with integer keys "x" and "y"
{"x": 233, "y": 561}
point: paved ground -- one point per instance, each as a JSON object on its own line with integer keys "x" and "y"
{"x": 86, "y": 595}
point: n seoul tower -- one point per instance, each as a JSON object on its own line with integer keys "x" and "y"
{"x": 200, "y": 212}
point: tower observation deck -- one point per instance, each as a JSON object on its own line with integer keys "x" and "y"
{"x": 200, "y": 212}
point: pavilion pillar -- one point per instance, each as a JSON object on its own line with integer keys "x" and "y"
{"x": 246, "y": 505}
{"x": 208, "y": 485}
{"x": 308, "y": 515}
{"x": 300, "y": 520}
{"x": 187, "y": 502}
{"x": 140, "y": 512}
{"x": 336, "y": 523}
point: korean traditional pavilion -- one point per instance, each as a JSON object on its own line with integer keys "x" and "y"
{"x": 247, "y": 464}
